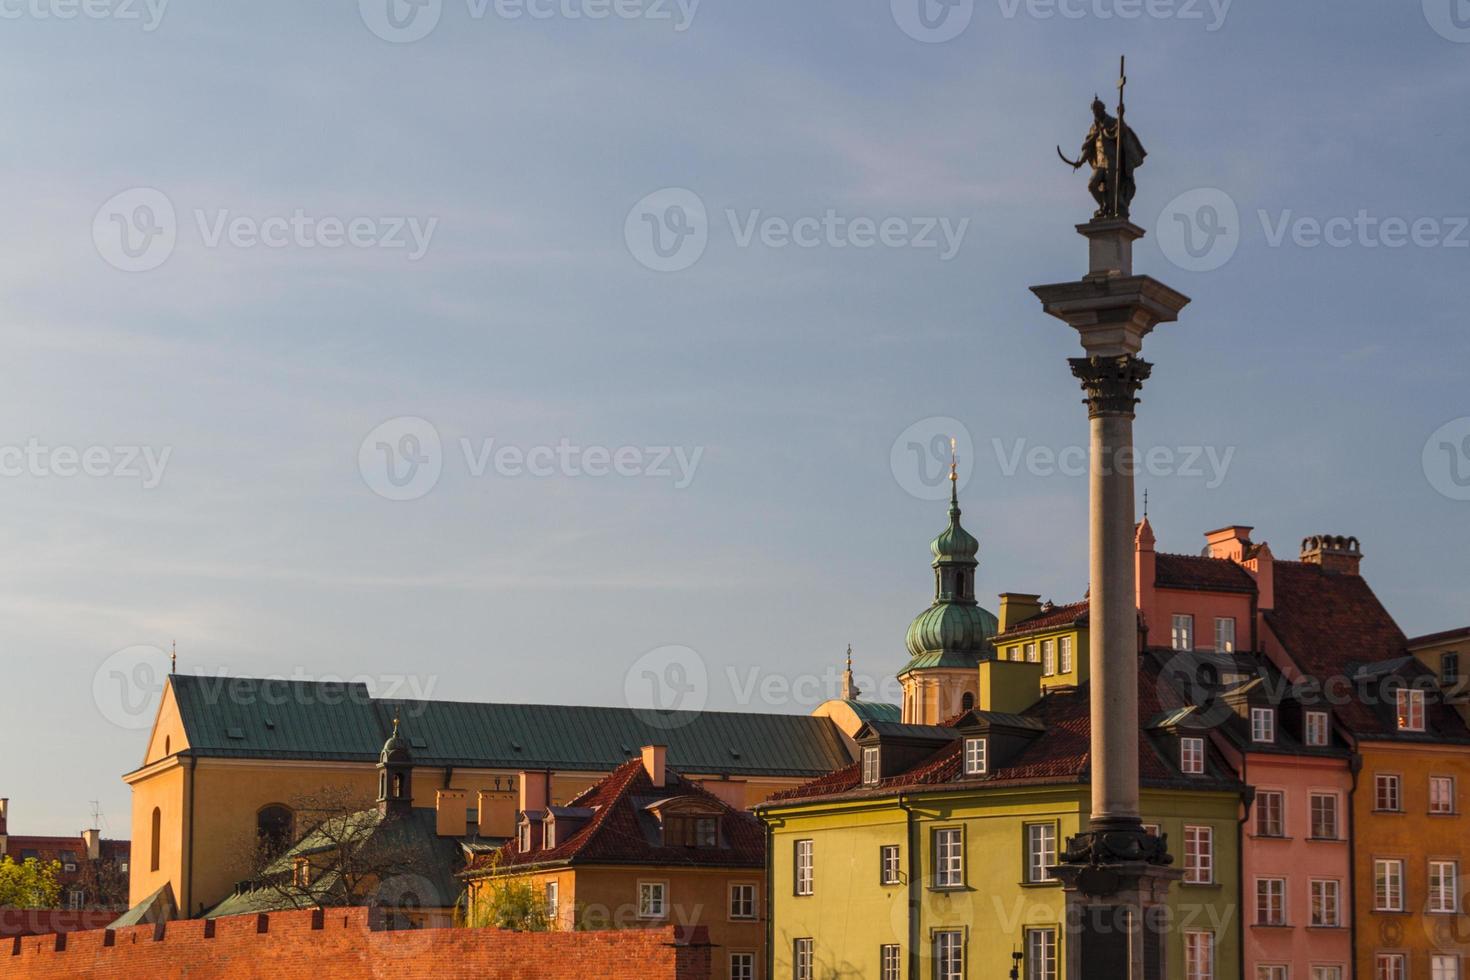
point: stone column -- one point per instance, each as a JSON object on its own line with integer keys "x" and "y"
{"x": 1116, "y": 876}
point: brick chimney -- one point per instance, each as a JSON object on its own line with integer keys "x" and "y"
{"x": 496, "y": 810}
{"x": 1231, "y": 542}
{"x": 451, "y": 813}
{"x": 93, "y": 840}
{"x": 655, "y": 761}
{"x": 535, "y": 791}
{"x": 4, "y": 814}
{"x": 1017, "y": 606}
{"x": 1336, "y": 554}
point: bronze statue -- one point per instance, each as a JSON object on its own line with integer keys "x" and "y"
{"x": 1114, "y": 152}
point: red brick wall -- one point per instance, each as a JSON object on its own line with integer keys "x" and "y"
{"x": 39, "y": 922}
{"x": 338, "y": 943}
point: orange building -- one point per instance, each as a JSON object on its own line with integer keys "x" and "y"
{"x": 643, "y": 848}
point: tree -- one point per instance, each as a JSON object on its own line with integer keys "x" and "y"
{"x": 508, "y": 903}
{"x": 30, "y": 884}
{"x": 104, "y": 883}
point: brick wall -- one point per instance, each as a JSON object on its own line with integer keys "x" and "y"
{"x": 38, "y": 922}
{"x": 339, "y": 943}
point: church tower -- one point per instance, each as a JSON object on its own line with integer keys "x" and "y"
{"x": 395, "y": 776}
{"x": 947, "y": 641}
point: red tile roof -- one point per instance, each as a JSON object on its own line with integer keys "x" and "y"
{"x": 1443, "y": 636}
{"x": 621, "y": 831}
{"x": 1197, "y": 572}
{"x": 1073, "y": 613}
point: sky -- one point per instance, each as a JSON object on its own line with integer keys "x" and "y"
{"x": 582, "y": 351}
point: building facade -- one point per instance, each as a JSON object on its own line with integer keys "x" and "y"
{"x": 92, "y": 870}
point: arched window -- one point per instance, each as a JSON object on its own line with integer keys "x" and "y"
{"x": 967, "y": 702}
{"x": 154, "y": 838}
{"x": 167, "y": 745}
{"x": 273, "y": 829}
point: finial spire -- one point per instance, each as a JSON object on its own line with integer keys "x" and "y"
{"x": 954, "y": 478}
{"x": 1145, "y": 504}
{"x": 395, "y": 723}
{"x": 850, "y": 690}
{"x": 173, "y": 657}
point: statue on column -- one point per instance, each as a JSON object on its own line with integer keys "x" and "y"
{"x": 1113, "y": 151}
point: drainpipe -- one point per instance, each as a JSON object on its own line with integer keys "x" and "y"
{"x": 770, "y": 957}
{"x": 1248, "y": 798}
{"x": 1355, "y": 766}
{"x": 915, "y": 892}
{"x": 188, "y": 895}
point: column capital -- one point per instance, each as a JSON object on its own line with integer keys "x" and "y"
{"x": 1112, "y": 382}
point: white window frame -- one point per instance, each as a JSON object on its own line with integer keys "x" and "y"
{"x": 1273, "y": 971}
{"x": 1316, "y": 729}
{"x": 1192, "y": 755}
{"x": 1444, "y": 890}
{"x": 1064, "y": 655}
{"x": 1041, "y": 953}
{"x": 871, "y": 765}
{"x": 890, "y": 962}
{"x": 804, "y": 877}
{"x": 1032, "y": 657}
{"x": 949, "y": 857}
{"x": 1390, "y": 966}
{"x": 802, "y": 958}
{"x": 1388, "y": 787}
{"x": 553, "y": 901}
{"x": 1199, "y": 955}
{"x": 949, "y": 954}
{"x": 1271, "y": 803}
{"x": 977, "y": 756}
{"x": 1388, "y": 885}
{"x": 1325, "y": 898}
{"x": 1181, "y": 634}
{"x": 1445, "y": 966}
{"x": 742, "y": 966}
{"x": 1328, "y": 972}
{"x": 1270, "y": 901}
{"x": 1442, "y": 795}
{"x": 1199, "y": 854}
{"x": 1409, "y": 702}
{"x": 1263, "y": 725}
{"x": 743, "y": 901}
{"x": 1048, "y": 658}
{"x": 890, "y": 868}
{"x": 1224, "y": 634}
{"x": 1041, "y": 852}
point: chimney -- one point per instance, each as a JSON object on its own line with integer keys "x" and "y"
{"x": 1008, "y": 686}
{"x": 496, "y": 812}
{"x": 1262, "y": 565}
{"x": 730, "y": 792}
{"x": 535, "y": 791}
{"x": 1231, "y": 542}
{"x": 1145, "y": 570}
{"x": 4, "y": 814}
{"x": 451, "y": 813}
{"x": 1017, "y": 606}
{"x": 655, "y": 762}
{"x": 1336, "y": 554}
{"x": 93, "y": 840}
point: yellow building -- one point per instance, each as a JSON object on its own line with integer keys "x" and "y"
{"x": 228, "y": 758}
{"x": 1042, "y": 633}
{"x": 1447, "y": 654}
{"x": 643, "y": 848}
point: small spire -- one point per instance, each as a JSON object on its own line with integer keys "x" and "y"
{"x": 1145, "y": 504}
{"x": 395, "y": 724}
{"x": 954, "y": 479}
{"x": 849, "y": 656}
{"x": 173, "y": 657}
{"x": 850, "y": 690}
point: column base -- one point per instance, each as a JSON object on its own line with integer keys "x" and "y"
{"x": 1117, "y": 919}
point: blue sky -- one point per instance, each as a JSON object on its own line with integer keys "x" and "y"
{"x": 521, "y": 146}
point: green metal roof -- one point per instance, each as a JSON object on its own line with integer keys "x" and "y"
{"x": 284, "y": 719}
{"x": 875, "y": 710}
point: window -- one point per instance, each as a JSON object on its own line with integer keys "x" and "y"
{"x": 1048, "y": 657}
{"x": 154, "y": 838}
{"x": 553, "y": 892}
{"x": 888, "y": 872}
{"x": 804, "y": 867}
{"x": 1443, "y": 967}
{"x": 967, "y": 702}
{"x": 1263, "y": 724}
{"x": 975, "y": 756}
{"x": 891, "y": 965}
{"x": 1449, "y": 669}
{"x": 1041, "y": 954}
{"x": 523, "y": 836}
{"x": 1270, "y": 813}
{"x": 949, "y": 955}
{"x": 949, "y": 858}
{"x": 1031, "y": 655}
{"x": 1272, "y": 971}
{"x": 1182, "y": 634}
{"x": 870, "y": 766}
{"x": 1316, "y": 725}
{"x": 652, "y": 900}
{"x": 1326, "y": 973}
{"x": 1410, "y": 710}
{"x": 801, "y": 959}
{"x": 742, "y": 901}
{"x": 1386, "y": 793}
{"x": 1326, "y": 903}
{"x": 76, "y": 899}
{"x": 1199, "y": 855}
{"x": 1388, "y": 885}
{"x": 1224, "y": 634}
{"x": 1192, "y": 755}
{"x": 1270, "y": 901}
{"x": 1390, "y": 966}
{"x": 742, "y": 966}
{"x": 1064, "y": 655}
{"x": 1199, "y": 955}
{"x": 1441, "y": 794}
{"x": 1152, "y": 829}
{"x": 1324, "y": 816}
{"x": 1015, "y": 654}
{"x": 1444, "y": 894}
{"x": 1041, "y": 851}
{"x": 683, "y": 830}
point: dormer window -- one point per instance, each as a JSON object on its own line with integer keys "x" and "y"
{"x": 1316, "y": 729}
{"x": 1192, "y": 756}
{"x": 523, "y": 836}
{"x": 1410, "y": 710}
{"x": 548, "y": 833}
{"x": 870, "y": 766}
{"x": 1449, "y": 669}
{"x": 976, "y": 761}
{"x": 1263, "y": 724}
{"x": 681, "y": 830}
